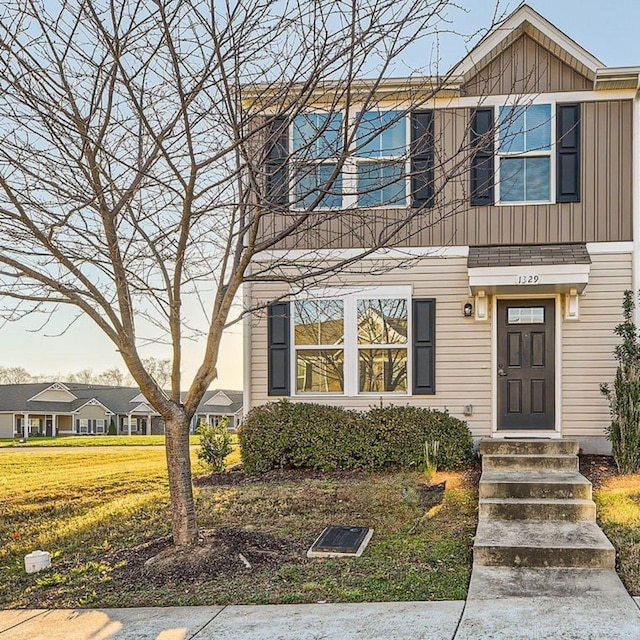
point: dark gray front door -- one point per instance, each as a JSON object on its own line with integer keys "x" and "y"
{"x": 526, "y": 364}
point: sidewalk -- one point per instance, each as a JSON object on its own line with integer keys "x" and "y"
{"x": 371, "y": 621}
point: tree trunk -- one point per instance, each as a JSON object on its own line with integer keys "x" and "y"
{"x": 183, "y": 513}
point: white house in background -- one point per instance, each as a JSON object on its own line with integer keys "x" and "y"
{"x": 56, "y": 408}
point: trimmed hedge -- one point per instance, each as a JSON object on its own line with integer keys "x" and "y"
{"x": 281, "y": 435}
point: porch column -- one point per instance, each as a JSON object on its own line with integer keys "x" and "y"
{"x": 148, "y": 424}
{"x": 15, "y": 428}
{"x": 208, "y": 418}
{"x": 25, "y": 426}
{"x": 129, "y": 423}
{"x": 54, "y": 425}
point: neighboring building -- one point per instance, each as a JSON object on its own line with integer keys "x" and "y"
{"x": 503, "y": 311}
{"x": 52, "y": 409}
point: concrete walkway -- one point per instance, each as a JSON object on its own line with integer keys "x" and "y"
{"x": 572, "y": 617}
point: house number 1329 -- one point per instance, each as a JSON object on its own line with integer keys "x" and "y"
{"x": 532, "y": 279}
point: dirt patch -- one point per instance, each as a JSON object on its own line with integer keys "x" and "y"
{"x": 239, "y": 477}
{"x": 221, "y": 552}
{"x": 598, "y": 469}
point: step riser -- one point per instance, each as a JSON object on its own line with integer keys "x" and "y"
{"x": 523, "y": 447}
{"x": 535, "y": 490}
{"x": 565, "y": 512}
{"x": 540, "y": 557}
{"x": 520, "y": 463}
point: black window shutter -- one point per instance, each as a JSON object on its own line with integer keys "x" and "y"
{"x": 276, "y": 169}
{"x": 424, "y": 346}
{"x": 278, "y": 339}
{"x": 568, "y": 153}
{"x": 422, "y": 159}
{"x": 482, "y": 158}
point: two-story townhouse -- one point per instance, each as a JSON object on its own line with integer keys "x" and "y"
{"x": 501, "y": 307}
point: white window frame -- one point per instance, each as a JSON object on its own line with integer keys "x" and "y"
{"x": 352, "y": 162}
{"x": 83, "y": 423}
{"x": 350, "y": 346}
{"x": 526, "y": 101}
{"x": 100, "y": 426}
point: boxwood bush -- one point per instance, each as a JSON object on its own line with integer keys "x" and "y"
{"x": 281, "y": 435}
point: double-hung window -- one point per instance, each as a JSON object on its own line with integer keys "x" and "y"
{"x": 317, "y": 143}
{"x": 353, "y": 343}
{"x": 380, "y": 156}
{"x": 525, "y": 153}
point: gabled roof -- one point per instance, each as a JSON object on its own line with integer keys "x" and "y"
{"x": 119, "y": 400}
{"x": 56, "y": 387}
{"x": 77, "y": 405}
{"x": 526, "y": 20}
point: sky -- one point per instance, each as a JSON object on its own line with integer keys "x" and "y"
{"x": 609, "y": 30}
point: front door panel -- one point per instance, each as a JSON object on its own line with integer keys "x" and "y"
{"x": 526, "y": 364}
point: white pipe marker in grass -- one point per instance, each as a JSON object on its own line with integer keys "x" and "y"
{"x": 36, "y": 561}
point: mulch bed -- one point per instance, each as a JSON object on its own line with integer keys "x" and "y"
{"x": 220, "y": 552}
{"x": 598, "y": 469}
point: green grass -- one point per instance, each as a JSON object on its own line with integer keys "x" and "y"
{"x": 81, "y": 505}
{"x": 90, "y": 441}
{"x": 618, "y": 503}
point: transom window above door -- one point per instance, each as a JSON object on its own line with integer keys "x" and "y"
{"x": 525, "y": 153}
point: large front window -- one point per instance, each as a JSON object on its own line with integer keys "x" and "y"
{"x": 354, "y": 343}
{"x": 524, "y": 153}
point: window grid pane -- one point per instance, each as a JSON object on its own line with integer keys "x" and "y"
{"x": 382, "y": 321}
{"x": 391, "y": 139}
{"x": 382, "y": 370}
{"x": 320, "y": 371}
{"x": 381, "y": 184}
{"x": 319, "y": 322}
{"x": 317, "y": 135}
{"x": 312, "y": 180}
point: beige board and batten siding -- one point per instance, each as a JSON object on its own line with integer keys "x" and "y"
{"x": 91, "y": 412}
{"x": 587, "y": 346}
{"x": 6, "y": 425}
{"x": 604, "y": 213}
{"x": 463, "y": 346}
{"x": 526, "y": 67}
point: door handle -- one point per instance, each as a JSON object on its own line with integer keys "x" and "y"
{"x": 501, "y": 371}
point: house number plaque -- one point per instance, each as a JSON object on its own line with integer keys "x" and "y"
{"x": 529, "y": 278}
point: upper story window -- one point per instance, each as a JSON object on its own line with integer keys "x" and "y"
{"x": 525, "y": 153}
{"x": 308, "y": 168}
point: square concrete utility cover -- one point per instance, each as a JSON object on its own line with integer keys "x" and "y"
{"x": 340, "y": 541}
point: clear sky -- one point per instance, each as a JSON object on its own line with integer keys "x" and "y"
{"x": 609, "y": 30}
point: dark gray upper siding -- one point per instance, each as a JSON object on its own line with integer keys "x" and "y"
{"x": 16, "y": 398}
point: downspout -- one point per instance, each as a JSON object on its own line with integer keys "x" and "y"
{"x": 246, "y": 345}
{"x": 636, "y": 198}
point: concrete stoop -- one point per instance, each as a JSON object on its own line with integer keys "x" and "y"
{"x": 536, "y": 509}
{"x": 542, "y": 568}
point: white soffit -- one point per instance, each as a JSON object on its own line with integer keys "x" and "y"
{"x": 546, "y": 278}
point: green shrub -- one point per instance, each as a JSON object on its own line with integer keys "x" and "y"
{"x": 112, "y": 431}
{"x": 624, "y": 397}
{"x": 304, "y": 435}
{"x": 216, "y": 444}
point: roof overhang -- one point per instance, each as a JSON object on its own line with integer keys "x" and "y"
{"x": 531, "y": 279}
{"x": 527, "y": 20}
{"x": 525, "y": 269}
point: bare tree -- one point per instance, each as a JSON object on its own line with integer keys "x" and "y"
{"x": 140, "y": 163}
{"x": 159, "y": 370}
{"x": 14, "y": 375}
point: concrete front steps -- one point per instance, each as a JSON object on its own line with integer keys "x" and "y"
{"x": 536, "y": 509}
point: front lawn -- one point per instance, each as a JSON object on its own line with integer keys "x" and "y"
{"x": 90, "y": 441}
{"x": 102, "y": 512}
{"x": 618, "y": 506}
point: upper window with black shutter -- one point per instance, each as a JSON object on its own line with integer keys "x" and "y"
{"x": 308, "y": 167}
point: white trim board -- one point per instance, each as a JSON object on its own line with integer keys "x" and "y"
{"x": 396, "y": 253}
